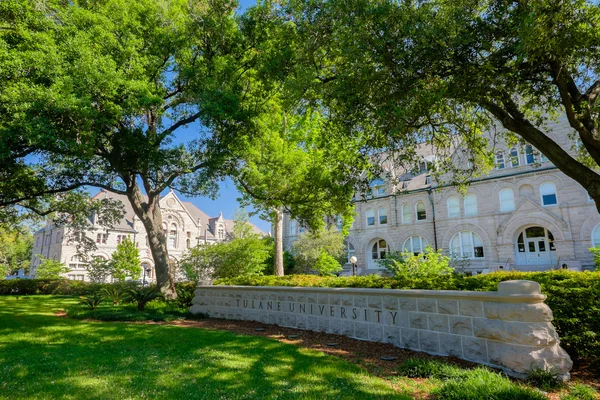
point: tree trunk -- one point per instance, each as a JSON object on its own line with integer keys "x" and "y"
{"x": 278, "y": 233}
{"x": 148, "y": 211}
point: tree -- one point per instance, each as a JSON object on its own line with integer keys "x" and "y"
{"x": 101, "y": 89}
{"x": 244, "y": 254}
{"x": 99, "y": 270}
{"x": 404, "y": 73}
{"x": 125, "y": 261}
{"x": 318, "y": 251}
{"x": 50, "y": 269}
{"x": 16, "y": 247}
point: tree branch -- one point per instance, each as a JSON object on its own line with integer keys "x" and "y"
{"x": 177, "y": 125}
{"x": 591, "y": 95}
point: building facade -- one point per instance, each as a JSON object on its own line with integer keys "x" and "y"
{"x": 185, "y": 225}
{"x": 525, "y": 215}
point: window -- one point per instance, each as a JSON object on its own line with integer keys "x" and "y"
{"x": 292, "y": 227}
{"x": 507, "y": 200}
{"x": 428, "y": 180}
{"x": 423, "y": 166}
{"x": 173, "y": 236}
{"x": 377, "y": 187}
{"x": 466, "y": 244}
{"x": 514, "y": 157}
{"x": 302, "y": 229}
{"x": 339, "y": 222}
{"x": 453, "y": 207}
{"x": 500, "y": 160}
{"x": 596, "y": 236}
{"x": 119, "y": 238}
{"x": 382, "y": 213}
{"x": 470, "y": 204}
{"x": 101, "y": 238}
{"x": 529, "y": 155}
{"x": 221, "y": 233}
{"x": 406, "y": 214}
{"x": 379, "y": 250}
{"x": 548, "y": 193}
{"x": 415, "y": 244}
{"x": 405, "y": 184}
{"x": 350, "y": 250}
{"x": 370, "y": 217}
{"x": 421, "y": 213}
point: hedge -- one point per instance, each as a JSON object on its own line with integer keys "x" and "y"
{"x": 574, "y": 298}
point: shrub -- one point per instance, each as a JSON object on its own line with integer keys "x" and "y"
{"x": 92, "y": 301}
{"x": 429, "y": 263}
{"x": 144, "y": 295}
{"x": 185, "y": 294}
{"x": 545, "y": 380}
{"x": 596, "y": 252}
{"x": 115, "y": 293}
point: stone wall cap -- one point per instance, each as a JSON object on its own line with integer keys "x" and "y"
{"x": 519, "y": 287}
{"x": 503, "y": 297}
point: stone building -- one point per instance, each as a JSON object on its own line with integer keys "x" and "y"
{"x": 524, "y": 215}
{"x": 186, "y": 226}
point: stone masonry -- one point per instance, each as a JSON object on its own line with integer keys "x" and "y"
{"x": 510, "y": 329}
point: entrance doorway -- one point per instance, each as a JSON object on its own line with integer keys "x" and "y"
{"x": 378, "y": 252}
{"x": 535, "y": 246}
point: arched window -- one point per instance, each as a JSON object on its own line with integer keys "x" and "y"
{"x": 377, "y": 187}
{"x": 379, "y": 250}
{"x": 529, "y": 154}
{"x": 548, "y": 194}
{"x": 382, "y": 214}
{"x": 466, "y": 244}
{"x": 421, "y": 213}
{"x": 173, "y": 236}
{"x": 415, "y": 244}
{"x": 292, "y": 227}
{"x": 507, "y": 200}
{"x": 350, "y": 250}
{"x": 406, "y": 214}
{"x": 370, "y": 217}
{"x": 500, "y": 160}
{"x": 596, "y": 236}
{"x": 514, "y": 157}
{"x": 453, "y": 207}
{"x": 470, "y": 204}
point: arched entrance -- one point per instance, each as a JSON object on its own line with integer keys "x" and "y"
{"x": 535, "y": 246}
{"x": 377, "y": 251}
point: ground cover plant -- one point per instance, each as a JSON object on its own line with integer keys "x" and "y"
{"x": 574, "y": 298}
{"x": 45, "y": 356}
{"x": 153, "y": 311}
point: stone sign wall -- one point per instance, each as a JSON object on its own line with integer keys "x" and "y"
{"x": 510, "y": 329}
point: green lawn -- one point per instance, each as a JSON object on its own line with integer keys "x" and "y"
{"x": 43, "y": 356}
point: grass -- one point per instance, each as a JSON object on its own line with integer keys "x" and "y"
{"x": 106, "y": 311}
{"x": 46, "y": 357}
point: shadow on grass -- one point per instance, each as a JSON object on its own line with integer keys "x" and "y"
{"x": 43, "y": 356}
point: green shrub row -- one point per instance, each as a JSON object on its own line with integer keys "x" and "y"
{"x": 574, "y": 298}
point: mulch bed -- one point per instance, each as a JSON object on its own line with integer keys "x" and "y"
{"x": 363, "y": 353}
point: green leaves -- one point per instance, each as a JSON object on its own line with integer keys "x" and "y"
{"x": 125, "y": 261}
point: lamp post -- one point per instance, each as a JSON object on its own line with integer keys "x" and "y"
{"x": 353, "y": 261}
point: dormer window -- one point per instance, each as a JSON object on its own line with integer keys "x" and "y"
{"x": 423, "y": 166}
{"x": 377, "y": 187}
{"x": 428, "y": 180}
{"x": 405, "y": 184}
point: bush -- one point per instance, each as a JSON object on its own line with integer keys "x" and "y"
{"x": 574, "y": 297}
{"x": 430, "y": 263}
{"x": 92, "y": 301}
{"x": 155, "y": 311}
{"x": 26, "y": 287}
{"x": 185, "y": 294}
{"x": 143, "y": 296}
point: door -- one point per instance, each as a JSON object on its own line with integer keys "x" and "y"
{"x": 537, "y": 251}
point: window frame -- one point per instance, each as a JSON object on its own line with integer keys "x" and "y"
{"x": 466, "y": 209}
{"x": 512, "y": 192}
{"x": 407, "y": 207}
{"x": 422, "y": 242}
{"x": 384, "y": 215}
{"x": 459, "y": 236}
{"x": 542, "y": 202}
{"x": 372, "y": 212}
{"x": 453, "y": 197}
{"x": 500, "y": 161}
{"x": 417, "y": 217}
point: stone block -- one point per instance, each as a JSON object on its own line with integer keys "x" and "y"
{"x": 273, "y": 296}
{"x": 460, "y": 325}
{"x": 281, "y": 296}
{"x": 409, "y": 338}
{"x": 301, "y": 321}
{"x": 361, "y": 330}
{"x": 348, "y": 328}
{"x": 536, "y": 312}
{"x": 450, "y": 345}
{"x": 470, "y": 308}
{"x": 417, "y": 320}
{"x": 448, "y": 307}
{"x": 438, "y": 322}
{"x": 360, "y": 301}
{"x": 263, "y": 296}
{"x": 290, "y": 297}
{"x": 347, "y": 300}
{"x": 429, "y": 342}
{"x": 529, "y": 333}
{"x": 376, "y": 332}
{"x": 475, "y": 349}
{"x": 335, "y": 326}
{"x": 312, "y": 323}
{"x": 374, "y": 302}
{"x": 427, "y": 305}
{"x": 323, "y": 298}
{"x": 272, "y": 318}
{"x": 323, "y": 324}
{"x": 407, "y": 304}
{"x": 290, "y": 319}
{"x": 312, "y": 298}
{"x": 391, "y": 334}
{"x": 335, "y": 299}
{"x": 390, "y": 302}
{"x": 375, "y": 316}
{"x": 522, "y": 359}
{"x": 301, "y": 297}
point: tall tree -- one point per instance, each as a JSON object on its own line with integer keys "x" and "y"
{"x": 413, "y": 71}
{"x": 16, "y": 247}
{"x": 125, "y": 261}
{"x": 112, "y": 85}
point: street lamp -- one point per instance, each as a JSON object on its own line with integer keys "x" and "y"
{"x": 353, "y": 261}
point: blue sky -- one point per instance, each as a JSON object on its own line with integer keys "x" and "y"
{"x": 228, "y": 194}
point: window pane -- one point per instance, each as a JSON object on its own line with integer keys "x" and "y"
{"x": 406, "y": 214}
{"x": 453, "y": 206}
{"x": 421, "y": 213}
{"x": 542, "y": 245}
{"x": 500, "y": 160}
{"x": 549, "y": 199}
{"x": 470, "y": 204}
{"x": 514, "y": 157}
{"x": 529, "y": 156}
{"x": 535, "y": 232}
